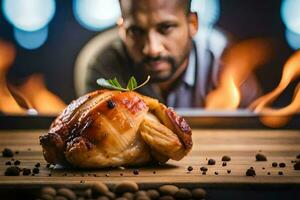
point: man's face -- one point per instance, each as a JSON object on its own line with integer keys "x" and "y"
{"x": 157, "y": 34}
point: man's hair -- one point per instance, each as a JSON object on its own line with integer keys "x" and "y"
{"x": 186, "y": 4}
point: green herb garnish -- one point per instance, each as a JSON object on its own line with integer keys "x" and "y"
{"x": 115, "y": 85}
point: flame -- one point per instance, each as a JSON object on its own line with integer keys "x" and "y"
{"x": 226, "y": 97}
{"x": 8, "y": 104}
{"x": 239, "y": 63}
{"x": 279, "y": 117}
{"x": 291, "y": 71}
{"x": 44, "y": 101}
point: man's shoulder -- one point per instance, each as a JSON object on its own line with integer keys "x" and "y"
{"x": 110, "y": 51}
{"x": 103, "y": 56}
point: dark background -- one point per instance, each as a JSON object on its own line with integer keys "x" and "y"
{"x": 56, "y": 58}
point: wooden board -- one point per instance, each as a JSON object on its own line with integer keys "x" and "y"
{"x": 240, "y": 145}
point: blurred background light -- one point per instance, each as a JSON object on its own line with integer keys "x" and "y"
{"x": 96, "y": 15}
{"x": 208, "y": 11}
{"x": 28, "y": 15}
{"x": 31, "y": 40}
{"x": 293, "y": 39}
{"x": 290, "y": 13}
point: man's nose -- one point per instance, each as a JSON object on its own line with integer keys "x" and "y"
{"x": 153, "y": 46}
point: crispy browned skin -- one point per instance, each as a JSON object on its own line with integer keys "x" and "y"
{"x": 111, "y": 128}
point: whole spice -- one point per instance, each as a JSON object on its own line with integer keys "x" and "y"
{"x": 274, "y": 164}
{"x": 136, "y": 172}
{"x": 297, "y": 165}
{"x": 17, "y": 162}
{"x": 211, "y": 162}
{"x": 282, "y": 165}
{"x": 12, "y": 171}
{"x": 226, "y": 158}
{"x": 36, "y": 170}
{"x": 250, "y": 172}
{"x": 26, "y": 171}
{"x": 190, "y": 168}
{"x": 204, "y": 169}
{"x": 7, "y": 153}
{"x": 111, "y": 104}
{"x": 8, "y": 163}
{"x": 260, "y": 157}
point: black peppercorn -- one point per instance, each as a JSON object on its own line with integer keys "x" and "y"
{"x": 12, "y": 171}
{"x": 250, "y": 172}
{"x": 37, "y": 165}
{"x": 224, "y": 164}
{"x": 260, "y": 157}
{"x": 280, "y": 173}
{"x": 204, "y": 169}
{"x": 36, "y": 170}
{"x": 111, "y": 104}
{"x": 228, "y": 171}
{"x": 8, "y": 163}
{"x": 226, "y": 158}
{"x": 211, "y": 162}
{"x": 282, "y": 165}
{"x": 26, "y": 171}
{"x": 135, "y": 171}
{"x": 17, "y": 162}
{"x": 297, "y": 165}
{"x": 7, "y": 153}
{"x": 274, "y": 164}
{"x": 190, "y": 168}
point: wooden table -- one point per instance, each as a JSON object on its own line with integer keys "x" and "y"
{"x": 241, "y": 145}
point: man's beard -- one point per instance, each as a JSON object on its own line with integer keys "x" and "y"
{"x": 154, "y": 77}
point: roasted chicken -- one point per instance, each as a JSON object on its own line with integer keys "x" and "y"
{"x": 108, "y": 128}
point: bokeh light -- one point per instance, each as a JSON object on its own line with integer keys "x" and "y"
{"x": 96, "y": 15}
{"x": 290, "y": 13}
{"x": 293, "y": 39}
{"x": 31, "y": 40}
{"x": 208, "y": 11}
{"x": 28, "y": 15}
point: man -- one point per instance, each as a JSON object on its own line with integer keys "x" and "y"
{"x": 156, "y": 39}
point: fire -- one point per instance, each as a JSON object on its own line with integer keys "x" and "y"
{"x": 279, "y": 117}
{"x": 8, "y": 104}
{"x": 225, "y": 97}
{"x": 41, "y": 99}
{"x": 33, "y": 94}
{"x": 239, "y": 63}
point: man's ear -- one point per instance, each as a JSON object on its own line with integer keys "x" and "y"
{"x": 193, "y": 23}
{"x": 122, "y": 32}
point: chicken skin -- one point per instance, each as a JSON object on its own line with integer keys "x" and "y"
{"x": 108, "y": 128}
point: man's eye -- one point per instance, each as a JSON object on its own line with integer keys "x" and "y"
{"x": 135, "y": 31}
{"x": 165, "y": 28}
